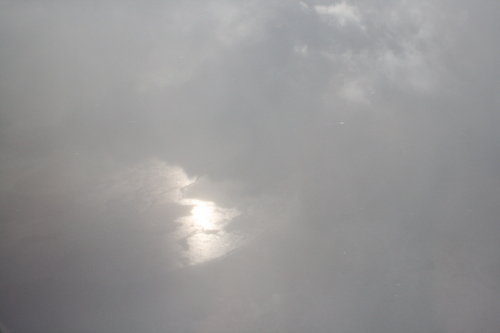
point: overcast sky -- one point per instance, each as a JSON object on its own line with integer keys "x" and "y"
{"x": 250, "y": 166}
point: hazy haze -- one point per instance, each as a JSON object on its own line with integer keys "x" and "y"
{"x": 251, "y": 166}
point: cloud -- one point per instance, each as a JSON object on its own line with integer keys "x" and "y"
{"x": 398, "y": 49}
{"x": 196, "y": 36}
{"x": 342, "y": 12}
{"x": 355, "y": 91}
{"x": 301, "y": 49}
{"x": 357, "y": 139}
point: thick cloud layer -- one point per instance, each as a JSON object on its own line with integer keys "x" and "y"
{"x": 259, "y": 166}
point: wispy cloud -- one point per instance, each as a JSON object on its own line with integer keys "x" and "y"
{"x": 396, "y": 49}
{"x": 342, "y": 12}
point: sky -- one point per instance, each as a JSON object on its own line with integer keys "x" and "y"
{"x": 252, "y": 166}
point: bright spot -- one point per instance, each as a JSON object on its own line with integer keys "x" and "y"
{"x": 202, "y": 214}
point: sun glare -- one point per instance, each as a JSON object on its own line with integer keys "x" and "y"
{"x": 202, "y": 214}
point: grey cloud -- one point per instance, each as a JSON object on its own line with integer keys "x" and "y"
{"x": 358, "y": 142}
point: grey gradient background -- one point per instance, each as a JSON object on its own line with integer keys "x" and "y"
{"x": 359, "y": 139}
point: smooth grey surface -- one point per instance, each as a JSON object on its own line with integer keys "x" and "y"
{"x": 249, "y": 166}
